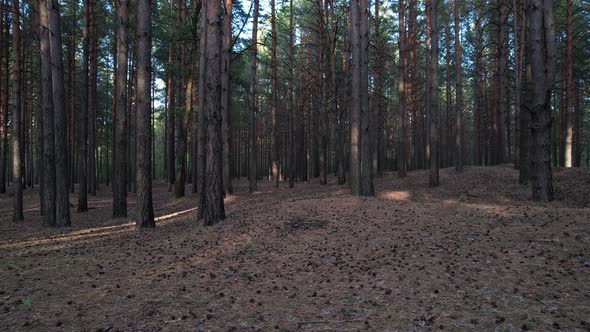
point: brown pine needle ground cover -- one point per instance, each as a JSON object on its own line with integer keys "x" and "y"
{"x": 474, "y": 254}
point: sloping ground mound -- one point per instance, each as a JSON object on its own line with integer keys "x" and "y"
{"x": 472, "y": 254}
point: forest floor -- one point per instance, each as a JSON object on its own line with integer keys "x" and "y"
{"x": 473, "y": 254}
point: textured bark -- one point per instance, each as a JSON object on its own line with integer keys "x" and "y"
{"x": 502, "y": 111}
{"x": 402, "y": 92}
{"x": 273, "y": 98}
{"x": 377, "y": 114}
{"x": 225, "y": 97}
{"x": 252, "y": 102}
{"x": 59, "y": 112}
{"x": 367, "y": 188}
{"x": 446, "y": 129}
{"x": 433, "y": 91}
{"x": 355, "y": 107}
{"x": 145, "y": 210}
{"x": 92, "y": 100}
{"x": 83, "y": 116}
{"x": 569, "y": 114}
{"x": 17, "y": 143}
{"x": 120, "y": 162}
{"x": 4, "y": 55}
{"x": 170, "y": 127}
{"x": 459, "y": 94}
{"x": 213, "y": 208}
{"x": 184, "y": 112}
{"x": 202, "y": 136}
{"x": 541, "y": 56}
{"x": 292, "y": 153}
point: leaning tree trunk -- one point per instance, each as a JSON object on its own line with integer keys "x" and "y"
{"x": 145, "y": 209}
{"x": 213, "y": 208}
{"x": 120, "y": 166}
{"x": 541, "y": 56}
{"x": 17, "y": 143}
{"x": 252, "y": 102}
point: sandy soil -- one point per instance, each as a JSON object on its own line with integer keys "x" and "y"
{"x": 474, "y": 254}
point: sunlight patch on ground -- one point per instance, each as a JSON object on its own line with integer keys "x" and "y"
{"x": 396, "y": 195}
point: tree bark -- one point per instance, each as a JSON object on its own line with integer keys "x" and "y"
{"x": 252, "y": 102}
{"x": 541, "y": 56}
{"x": 569, "y": 114}
{"x": 92, "y": 100}
{"x": 59, "y": 112}
{"x": 83, "y": 116}
{"x": 433, "y": 91}
{"x": 120, "y": 165}
{"x": 225, "y": 98}
{"x": 17, "y": 143}
{"x": 402, "y": 92}
{"x": 214, "y": 210}
{"x": 355, "y": 110}
{"x": 4, "y": 60}
{"x": 459, "y": 94}
{"x": 145, "y": 210}
{"x": 292, "y": 155}
{"x": 273, "y": 98}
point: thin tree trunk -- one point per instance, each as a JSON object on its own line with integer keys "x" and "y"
{"x": 120, "y": 165}
{"x": 433, "y": 91}
{"x": 92, "y": 101}
{"x": 273, "y": 98}
{"x": 459, "y": 94}
{"x": 355, "y": 115}
{"x": 292, "y": 156}
{"x": 569, "y": 114}
{"x": 402, "y": 92}
{"x": 145, "y": 210}
{"x": 4, "y": 78}
{"x": 17, "y": 143}
{"x": 252, "y": 102}
{"x": 83, "y": 116}
{"x": 225, "y": 97}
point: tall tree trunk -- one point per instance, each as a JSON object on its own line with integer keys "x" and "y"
{"x": 459, "y": 94}
{"x": 252, "y": 101}
{"x": 225, "y": 97}
{"x": 367, "y": 188}
{"x": 273, "y": 98}
{"x": 503, "y": 144}
{"x": 145, "y": 210}
{"x": 202, "y": 135}
{"x": 4, "y": 55}
{"x": 446, "y": 128}
{"x": 214, "y": 210}
{"x": 355, "y": 107}
{"x": 433, "y": 91}
{"x": 569, "y": 114}
{"x": 292, "y": 154}
{"x": 402, "y": 92}
{"x": 59, "y": 112}
{"x": 120, "y": 165}
{"x": 17, "y": 143}
{"x": 92, "y": 100}
{"x": 83, "y": 116}
{"x": 541, "y": 57}
{"x": 377, "y": 119}
{"x": 184, "y": 112}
